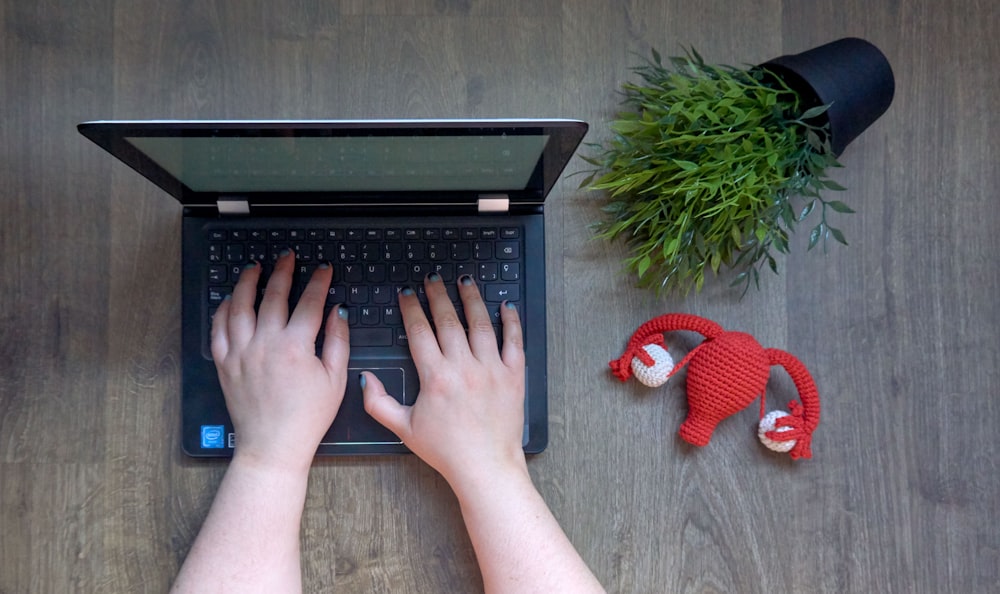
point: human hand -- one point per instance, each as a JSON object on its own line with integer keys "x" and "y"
{"x": 281, "y": 397}
{"x": 468, "y": 419}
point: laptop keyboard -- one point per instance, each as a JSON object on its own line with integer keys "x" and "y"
{"x": 370, "y": 265}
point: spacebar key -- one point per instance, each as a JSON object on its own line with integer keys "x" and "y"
{"x": 371, "y": 337}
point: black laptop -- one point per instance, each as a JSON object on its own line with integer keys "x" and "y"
{"x": 386, "y": 202}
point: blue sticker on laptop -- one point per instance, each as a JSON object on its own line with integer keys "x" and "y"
{"x": 213, "y": 436}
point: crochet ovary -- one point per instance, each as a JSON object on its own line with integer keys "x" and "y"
{"x": 725, "y": 374}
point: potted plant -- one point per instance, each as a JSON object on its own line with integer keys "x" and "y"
{"x": 710, "y": 167}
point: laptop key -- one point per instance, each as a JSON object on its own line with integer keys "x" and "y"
{"x": 488, "y": 271}
{"x": 358, "y": 295}
{"x": 497, "y": 292}
{"x": 216, "y": 295}
{"x": 371, "y": 337}
{"x": 508, "y": 250}
{"x": 216, "y": 274}
{"x": 370, "y": 316}
{"x": 336, "y": 294}
{"x": 510, "y": 271}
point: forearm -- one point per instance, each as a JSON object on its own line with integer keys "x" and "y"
{"x": 519, "y": 543}
{"x": 250, "y": 539}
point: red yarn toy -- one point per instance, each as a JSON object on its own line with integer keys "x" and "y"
{"x": 726, "y": 373}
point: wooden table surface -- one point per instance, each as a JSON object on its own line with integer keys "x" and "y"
{"x": 900, "y": 330}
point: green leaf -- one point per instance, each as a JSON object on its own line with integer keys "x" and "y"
{"x": 643, "y": 266}
{"x": 805, "y": 211}
{"x": 787, "y": 215}
{"x": 671, "y": 248}
{"x": 813, "y": 139}
{"x": 716, "y": 261}
{"x": 838, "y": 235}
{"x": 814, "y": 112}
{"x": 815, "y": 235}
{"x": 781, "y": 243}
{"x": 832, "y": 185}
{"x": 838, "y": 206}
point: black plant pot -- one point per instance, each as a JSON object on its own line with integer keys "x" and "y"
{"x": 850, "y": 74}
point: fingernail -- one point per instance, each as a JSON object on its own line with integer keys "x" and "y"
{"x": 465, "y": 279}
{"x": 509, "y": 305}
{"x": 228, "y": 297}
{"x": 324, "y": 265}
{"x": 284, "y": 252}
{"x": 434, "y": 277}
{"x": 342, "y": 312}
{"x": 407, "y": 291}
{"x": 361, "y": 380}
{"x": 250, "y": 265}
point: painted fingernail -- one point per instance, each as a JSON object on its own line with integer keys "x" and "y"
{"x": 342, "y": 312}
{"x": 362, "y": 381}
{"x": 434, "y": 277}
{"x": 228, "y": 297}
{"x": 407, "y": 291}
{"x": 465, "y": 279}
{"x": 250, "y": 265}
{"x": 509, "y": 305}
{"x": 324, "y": 265}
{"x": 284, "y": 252}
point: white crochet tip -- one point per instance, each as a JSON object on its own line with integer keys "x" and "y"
{"x": 655, "y": 375}
{"x": 767, "y": 424}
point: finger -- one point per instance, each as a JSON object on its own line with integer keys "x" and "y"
{"x": 308, "y": 314}
{"x": 384, "y": 408}
{"x": 423, "y": 344}
{"x": 512, "y": 351}
{"x": 273, "y": 312}
{"x": 336, "y": 341}
{"x": 241, "y": 321}
{"x": 220, "y": 335}
{"x": 448, "y": 328}
{"x": 482, "y": 338}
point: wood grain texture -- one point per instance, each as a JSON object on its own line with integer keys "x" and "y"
{"x": 899, "y": 330}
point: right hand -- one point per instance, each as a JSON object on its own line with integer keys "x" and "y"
{"x": 468, "y": 418}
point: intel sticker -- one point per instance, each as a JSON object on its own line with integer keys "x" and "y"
{"x": 213, "y": 436}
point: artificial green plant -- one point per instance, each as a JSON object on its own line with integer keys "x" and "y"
{"x": 710, "y": 167}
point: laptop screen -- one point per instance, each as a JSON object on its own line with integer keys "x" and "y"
{"x": 347, "y": 163}
{"x": 317, "y": 162}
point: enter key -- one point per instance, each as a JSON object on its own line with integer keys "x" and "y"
{"x": 497, "y": 292}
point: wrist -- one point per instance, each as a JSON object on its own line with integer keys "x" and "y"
{"x": 271, "y": 464}
{"x": 471, "y": 484}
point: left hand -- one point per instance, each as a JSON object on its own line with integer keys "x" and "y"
{"x": 281, "y": 397}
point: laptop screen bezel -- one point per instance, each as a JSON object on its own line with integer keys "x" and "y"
{"x": 564, "y": 136}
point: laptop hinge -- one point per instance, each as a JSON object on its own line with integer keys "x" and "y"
{"x": 493, "y": 203}
{"x": 233, "y": 206}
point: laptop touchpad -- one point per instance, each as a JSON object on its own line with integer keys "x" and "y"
{"x": 353, "y": 424}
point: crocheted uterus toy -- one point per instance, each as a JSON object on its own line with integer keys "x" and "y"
{"x": 725, "y": 374}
